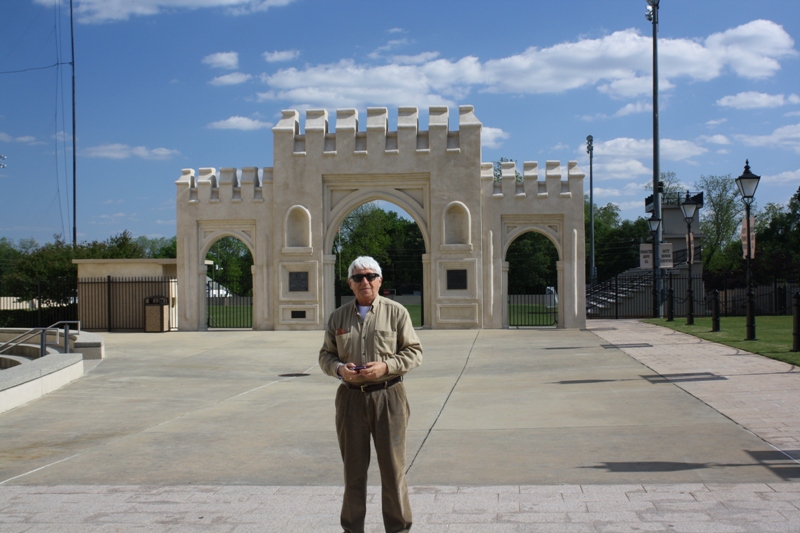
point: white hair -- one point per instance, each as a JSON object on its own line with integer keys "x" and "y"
{"x": 364, "y": 262}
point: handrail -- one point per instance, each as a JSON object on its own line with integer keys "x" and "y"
{"x": 42, "y": 332}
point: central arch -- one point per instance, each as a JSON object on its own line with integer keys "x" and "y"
{"x": 341, "y": 198}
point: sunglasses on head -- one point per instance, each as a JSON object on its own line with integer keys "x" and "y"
{"x": 358, "y": 278}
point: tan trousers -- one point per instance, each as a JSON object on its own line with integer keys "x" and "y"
{"x": 382, "y": 415}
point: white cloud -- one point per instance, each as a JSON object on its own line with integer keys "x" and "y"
{"x": 226, "y": 60}
{"x": 788, "y": 177}
{"x": 618, "y": 65}
{"x": 239, "y": 123}
{"x": 714, "y": 123}
{"x": 234, "y": 78}
{"x": 620, "y": 169}
{"x": 670, "y": 149}
{"x": 391, "y": 45}
{"x": 714, "y": 139}
{"x": 281, "y": 55}
{"x": 101, "y": 11}
{"x": 493, "y": 137}
{"x": 25, "y": 139}
{"x": 754, "y": 100}
{"x": 784, "y": 137}
{"x": 630, "y": 109}
{"x": 123, "y": 151}
{"x": 415, "y": 60}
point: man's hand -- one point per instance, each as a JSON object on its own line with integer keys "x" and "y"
{"x": 374, "y": 371}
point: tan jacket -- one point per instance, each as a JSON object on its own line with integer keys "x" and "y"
{"x": 386, "y": 334}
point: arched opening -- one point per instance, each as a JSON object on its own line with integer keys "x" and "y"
{"x": 532, "y": 281}
{"x": 387, "y": 233}
{"x": 229, "y": 284}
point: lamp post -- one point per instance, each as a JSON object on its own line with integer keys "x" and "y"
{"x": 688, "y": 207}
{"x": 592, "y": 269}
{"x": 652, "y": 15}
{"x": 748, "y": 183}
{"x": 654, "y": 223}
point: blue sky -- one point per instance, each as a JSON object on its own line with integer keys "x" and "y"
{"x": 169, "y": 84}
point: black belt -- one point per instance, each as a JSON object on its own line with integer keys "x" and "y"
{"x": 374, "y": 386}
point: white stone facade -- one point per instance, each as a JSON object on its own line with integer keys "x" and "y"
{"x": 288, "y": 216}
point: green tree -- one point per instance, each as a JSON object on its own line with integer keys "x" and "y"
{"x": 778, "y": 241}
{"x": 532, "y": 261}
{"x": 158, "y": 247}
{"x": 616, "y": 241}
{"x": 396, "y": 243}
{"x": 231, "y": 266}
{"x": 37, "y": 269}
{"x": 719, "y": 219}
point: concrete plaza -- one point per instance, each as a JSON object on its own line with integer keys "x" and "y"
{"x": 624, "y": 427}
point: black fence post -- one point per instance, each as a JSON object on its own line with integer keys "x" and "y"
{"x": 796, "y": 328}
{"x": 616, "y": 297}
{"x": 39, "y": 303}
{"x": 108, "y": 300}
{"x": 670, "y": 301}
{"x": 715, "y": 310}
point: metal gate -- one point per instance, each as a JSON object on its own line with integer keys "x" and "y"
{"x": 533, "y": 309}
{"x": 226, "y": 309}
{"x": 532, "y": 278}
{"x": 229, "y": 285}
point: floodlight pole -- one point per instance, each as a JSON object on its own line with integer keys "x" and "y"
{"x": 74, "y": 149}
{"x": 652, "y": 16}
{"x": 592, "y": 268}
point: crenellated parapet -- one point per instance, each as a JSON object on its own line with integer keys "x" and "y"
{"x": 228, "y": 185}
{"x": 351, "y": 139}
{"x": 528, "y": 187}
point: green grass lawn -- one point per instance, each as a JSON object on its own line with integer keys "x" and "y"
{"x": 230, "y": 316}
{"x": 773, "y": 334}
{"x": 531, "y": 315}
{"x": 415, "y": 311}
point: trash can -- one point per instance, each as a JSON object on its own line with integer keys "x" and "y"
{"x": 156, "y": 314}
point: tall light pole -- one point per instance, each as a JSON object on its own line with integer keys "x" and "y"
{"x": 748, "y": 183}
{"x": 592, "y": 269}
{"x": 652, "y": 16}
{"x": 74, "y": 140}
{"x": 688, "y": 207}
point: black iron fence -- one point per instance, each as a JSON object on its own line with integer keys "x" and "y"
{"x": 38, "y": 304}
{"x": 104, "y": 304}
{"x": 630, "y": 295}
{"x": 533, "y": 309}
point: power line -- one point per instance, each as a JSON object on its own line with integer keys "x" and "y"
{"x": 29, "y": 69}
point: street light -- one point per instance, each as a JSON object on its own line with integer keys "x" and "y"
{"x": 592, "y": 269}
{"x": 748, "y": 183}
{"x": 654, "y": 222}
{"x": 652, "y": 16}
{"x": 1, "y": 164}
{"x": 689, "y": 207}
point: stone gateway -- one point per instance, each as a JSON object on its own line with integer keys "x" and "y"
{"x": 288, "y": 216}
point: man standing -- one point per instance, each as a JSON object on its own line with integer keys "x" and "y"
{"x": 369, "y": 345}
